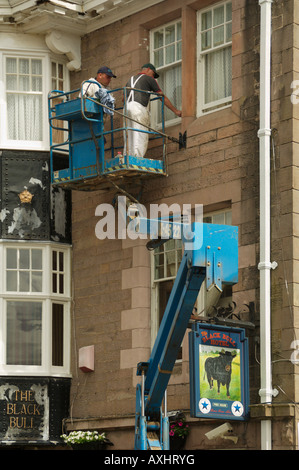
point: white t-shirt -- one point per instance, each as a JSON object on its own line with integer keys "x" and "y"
{"x": 89, "y": 89}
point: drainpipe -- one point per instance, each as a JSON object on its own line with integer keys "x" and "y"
{"x": 265, "y": 265}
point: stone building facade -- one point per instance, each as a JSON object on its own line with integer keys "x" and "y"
{"x": 219, "y": 168}
{"x": 117, "y": 296}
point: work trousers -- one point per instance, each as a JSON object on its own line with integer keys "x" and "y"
{"x": 136, "y": 141}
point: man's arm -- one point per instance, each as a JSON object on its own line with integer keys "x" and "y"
{"x": 170, "y": 106}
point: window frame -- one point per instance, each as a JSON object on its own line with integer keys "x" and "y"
{"x": 47, "y": 299}
{"x": 24, "y": 144}
{"x": 154, "y": 113}
{"x": 47, "y": 59}
{"x": 217, "y": 105}
{"x": 19, "y": 269}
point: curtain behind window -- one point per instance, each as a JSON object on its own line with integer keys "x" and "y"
{"x": 24, "y": 333}
{"x": 170, "y": 82}
{"x": 24, "y": 98}
{"x": 218, "y": 75}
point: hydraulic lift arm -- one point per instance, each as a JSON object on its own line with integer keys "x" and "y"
{"x": 212, "y": 256}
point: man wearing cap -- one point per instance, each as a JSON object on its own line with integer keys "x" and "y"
{"x": 102, "y": 79}
{"x": 137, "y": 108}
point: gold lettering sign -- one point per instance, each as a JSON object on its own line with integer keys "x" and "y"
{"x": 22, "y": 410}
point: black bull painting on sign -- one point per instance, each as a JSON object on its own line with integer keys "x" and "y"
{"x": 219, "y": 369}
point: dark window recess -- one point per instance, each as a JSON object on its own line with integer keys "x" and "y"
{"x": 57, "y": 335}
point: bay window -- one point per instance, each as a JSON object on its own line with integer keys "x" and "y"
{"x": 35, "y": 309}
{"x": 27, "y": 80}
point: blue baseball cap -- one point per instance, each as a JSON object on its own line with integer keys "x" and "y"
{"x": 107, "y": 71}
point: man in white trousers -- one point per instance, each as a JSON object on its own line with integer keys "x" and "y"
{"x": 137, "y": 109}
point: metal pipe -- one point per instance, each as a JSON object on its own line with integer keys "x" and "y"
{"x": 265, "y": 265}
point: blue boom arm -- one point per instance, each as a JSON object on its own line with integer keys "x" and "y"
{"x": 212, "y": 255}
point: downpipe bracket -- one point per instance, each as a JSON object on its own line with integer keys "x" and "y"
{"x": 267, "y": 265}
{"x": 264, "y": 392}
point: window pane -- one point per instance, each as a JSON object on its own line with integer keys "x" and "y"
{"x": 228, "y": 12}
{"x": 169, "y": 54}
{"x": 36, "y": 67}
{"x": 219, "y": 218}
{"x": 60, "y": 71}
{"x": 11, "y": 83}
{"x": 206, "y": 20}
{"x": 54, "y": 283}
{"x": 12, "y": 281}
{"x": 36, "y": 84}
{"x": 158, "y": 55}
{"x": 24, "y": 117}
{"x": 24, "y": 66}
{"x": 218, "y": 16}
{"x": 53, "y": 69}
{"x": 179, "y": 51}
{"x": 54, "y": 260}
{"x": 228, "y": 32}
{"x": 24, "y": 83}
{"x": 61, "y": 283}
{"x": 158, "y": 39}
{"x": 24, "y": 281}
{"x": 61, "y": 264}
{"x": 218, "y": 75}
{"x": 11, "y": 258}
{"x": 218, "y": 36}
{"x": 24, "y": 325}
{"x": 11, "y": 65}
{"x": 170, "y": 34}
{"x": 179, "y": 31}
{"x": 24, "y": 259}
{"x": 37, "y": 279}
{"x": 205, "y": 40}
{"x": 36, "y": 259}
{"x": 57, "y": 335}
{"x": 171, "y": 83}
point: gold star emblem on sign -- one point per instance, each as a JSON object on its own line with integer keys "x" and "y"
{"x": 25, "y": 196}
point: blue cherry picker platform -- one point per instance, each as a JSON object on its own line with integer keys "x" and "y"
{"x": 89, "y": 154}
{"x": 210, "y": 255}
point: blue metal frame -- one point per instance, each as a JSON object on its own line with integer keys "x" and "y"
{"x": 218, "y": 243}
{"x": 82, "y": 119}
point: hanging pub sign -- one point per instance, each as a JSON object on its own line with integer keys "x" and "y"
{"x": 219, "y": 377}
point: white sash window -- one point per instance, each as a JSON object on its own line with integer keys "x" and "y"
{"x": 215, "y": 57}
{"x": 35, "y": 309}
{"x": 166, "y": 55}
{"x": 24, "y": 94}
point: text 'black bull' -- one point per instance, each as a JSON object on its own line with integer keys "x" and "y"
{"x": 220, "y": 368}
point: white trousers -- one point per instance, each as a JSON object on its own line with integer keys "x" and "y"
{"x": 136, "y": 142}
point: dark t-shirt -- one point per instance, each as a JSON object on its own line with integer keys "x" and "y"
{"x": 145, "y": 83}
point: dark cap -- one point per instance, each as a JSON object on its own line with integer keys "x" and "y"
{"x": 152, "y": 67}
{"x": 107, "y": 71}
